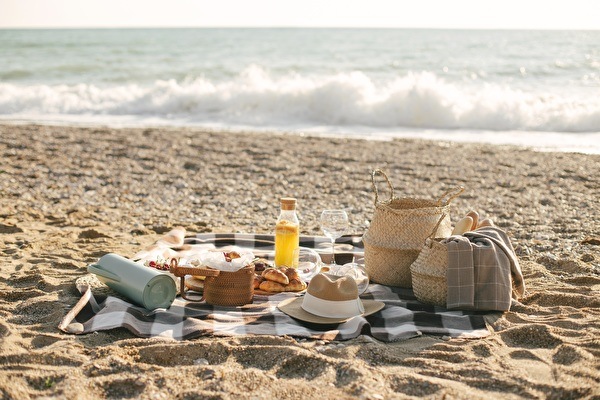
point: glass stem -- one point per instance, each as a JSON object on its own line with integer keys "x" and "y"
{"x": 332, "y": 251}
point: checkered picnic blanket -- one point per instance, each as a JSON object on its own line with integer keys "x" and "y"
{"x": 347, "y": 247}
{"x": 403, "y": 317}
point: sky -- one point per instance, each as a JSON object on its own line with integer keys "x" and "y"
{"x": 460, "y": 14}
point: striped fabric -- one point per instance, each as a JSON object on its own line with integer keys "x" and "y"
{"x": 403, "y": 317}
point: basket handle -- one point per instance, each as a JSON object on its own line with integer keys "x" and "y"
{"x": 432, "y": 234}
{"x": 380, "y": 172}
{"x": 180, "y": 271}
{"x": 452, "y": 194}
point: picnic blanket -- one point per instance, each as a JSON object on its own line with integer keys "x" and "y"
{"x": 403, "y": 317}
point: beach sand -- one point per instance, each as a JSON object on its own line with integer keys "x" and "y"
{"x": 69, "y": 195}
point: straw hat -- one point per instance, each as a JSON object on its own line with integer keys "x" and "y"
{"x": 329, "y": 300}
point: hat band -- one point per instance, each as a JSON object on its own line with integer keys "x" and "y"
{"x": 332, "y": 309}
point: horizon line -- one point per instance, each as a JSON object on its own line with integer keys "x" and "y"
{"x": 293, "y": 27}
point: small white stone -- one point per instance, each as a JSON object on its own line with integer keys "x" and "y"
{"x": 201, "y": 361}
{"x": 75, "y": 327}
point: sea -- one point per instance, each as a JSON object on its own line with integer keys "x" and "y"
{"x": 539, "y": 89}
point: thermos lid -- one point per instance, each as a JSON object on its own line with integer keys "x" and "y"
{"x": 159, "y": 292}
{"x": 288, "y": 203}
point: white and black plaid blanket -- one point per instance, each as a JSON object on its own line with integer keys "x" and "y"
{"x": 403, "y": 317}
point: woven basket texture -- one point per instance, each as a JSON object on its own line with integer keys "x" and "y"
{"x": 230, "y": 288}
{"x": 406, "y": 223}
{"x": 429, "y": 273}
{"x": 389, "y": 266}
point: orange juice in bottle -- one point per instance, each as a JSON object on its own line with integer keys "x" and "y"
{"x": 287, "y": 235}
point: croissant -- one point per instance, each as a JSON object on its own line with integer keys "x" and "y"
{"x": 291, "y": 273}
{"x": 270, "y": 286}
{"x": 275, "y": 275}
{"x": 295, "y": 285}
{"x": 257, "y": 281}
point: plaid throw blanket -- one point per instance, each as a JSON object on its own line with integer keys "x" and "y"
{"x": 481, "y": 269}
{"x": 403, "y": 317}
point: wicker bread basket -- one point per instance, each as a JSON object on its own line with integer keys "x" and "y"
{"x": 221, "y": 288}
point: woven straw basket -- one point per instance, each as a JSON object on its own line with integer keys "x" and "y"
{"x": 221, "y": 288}
{"x": 230, "y": 288}
{"x": 429, "y": 272}
{"x": 398, "y": 230}
{"x": 389, "y": 266}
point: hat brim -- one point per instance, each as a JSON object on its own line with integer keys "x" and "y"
{"x": 293, "y": 308}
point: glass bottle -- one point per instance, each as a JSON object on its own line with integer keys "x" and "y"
{"x": 287, "y": 235}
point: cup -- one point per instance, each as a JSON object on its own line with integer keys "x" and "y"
{"x": 145, "y": 286}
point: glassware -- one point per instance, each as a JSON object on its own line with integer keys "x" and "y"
{"x": 334, "y": 224}
{"x": 309, "y": 263}
{"x": 356, "y": 271}
{"x": 287, "y": 235}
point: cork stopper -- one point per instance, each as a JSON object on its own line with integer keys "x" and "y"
{"x": 288, "y": 203}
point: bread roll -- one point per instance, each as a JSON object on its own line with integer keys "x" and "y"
{"x": 257, "y": 281}
{"x": 295, "y": 285}
{"x": 275, "y": 275}
{"x": 486, "y": 222}
{"x": 291, "y": 273}
{"x": 462, "y": 226}
{"x": 475, "y": 216}
{"x": 270, "y": 286}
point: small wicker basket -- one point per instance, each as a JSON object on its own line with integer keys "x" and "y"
{"x": 230, "y": 288}
{"x": 221, "y": 288}
{"x": 428, "y": 272}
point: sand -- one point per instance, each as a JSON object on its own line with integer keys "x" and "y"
{"x": 69, "y": 195}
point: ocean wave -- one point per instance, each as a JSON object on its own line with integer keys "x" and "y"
{"x": 256, "y": 98}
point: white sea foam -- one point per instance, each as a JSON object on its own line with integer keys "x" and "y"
{"x": 346, "y": 100}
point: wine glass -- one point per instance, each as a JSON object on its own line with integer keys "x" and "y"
{"x": 334, "y": 224}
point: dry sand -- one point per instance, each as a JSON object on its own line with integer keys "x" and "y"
{"x": 69, "y": 195}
